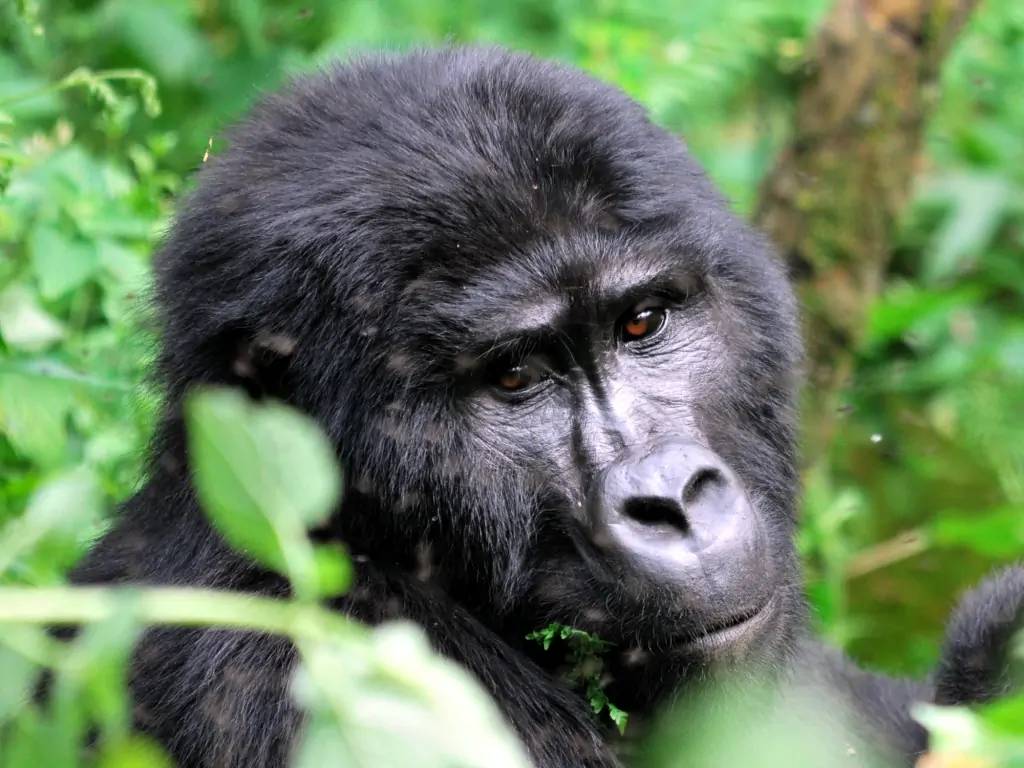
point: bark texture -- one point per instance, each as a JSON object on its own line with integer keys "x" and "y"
{"x": 833, "y": 198}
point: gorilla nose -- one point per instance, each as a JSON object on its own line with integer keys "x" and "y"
{"x": 676, "y": 512}
{"x": 651, "y": 496}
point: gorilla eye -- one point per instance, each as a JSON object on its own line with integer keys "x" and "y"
{"x": 517, "y": 378}
{"x": 639, "y": 324}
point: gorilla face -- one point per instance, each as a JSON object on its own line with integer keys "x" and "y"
{"x": 559, "y": 372}
{"x": 595, "y": 377}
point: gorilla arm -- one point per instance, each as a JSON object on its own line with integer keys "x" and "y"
{"x": 551, "y": 720}
{"x": 221, "y": 698}
{"x": 974, "y": 665}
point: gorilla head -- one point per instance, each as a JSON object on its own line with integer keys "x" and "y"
{"x": 559, "y": 372}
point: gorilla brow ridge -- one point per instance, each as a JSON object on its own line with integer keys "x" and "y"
{"x": 608, "y": 301}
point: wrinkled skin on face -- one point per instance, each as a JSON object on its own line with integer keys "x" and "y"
{"x": 620, "y": 393}
{"x": 559, "y": 373}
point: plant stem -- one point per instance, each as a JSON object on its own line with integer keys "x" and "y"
{"x": 176, "y": 606}
{"x": 75, "y": 78}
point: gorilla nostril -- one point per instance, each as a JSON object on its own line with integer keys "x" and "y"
{"x": 655, "y": 510}
{"x": 699, "y": 482}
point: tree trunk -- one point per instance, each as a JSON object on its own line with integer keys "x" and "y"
{"x": 832, "y": 201}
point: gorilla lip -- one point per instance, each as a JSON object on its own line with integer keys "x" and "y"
{"x": 724, "y": 635}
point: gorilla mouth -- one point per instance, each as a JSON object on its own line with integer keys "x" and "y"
{"x": 735, "y": 632}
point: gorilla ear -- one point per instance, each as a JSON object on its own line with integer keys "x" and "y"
{"x": 260, "y": 364}
{"x": 976, "y": 663}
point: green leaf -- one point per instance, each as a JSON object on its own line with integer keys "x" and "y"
{"x": 1006, "y": 716}
{"x": 162, "y": 35}
{"x": 129, "y": 268}
{"x": 136, "y": 751}
{"x": 979, "y": 204}
{"x": 30, "y": 95}
{"x": 306, "y": 476}
{"x": 100, "y": 657}
{"x": 333, "y": 570}
{"x": 18, "y": 674}
{"x": 54, "y": 528}
{"x": 596, "y": 696}
{"x": 35, "y": 740}
{"x": 227, "y": 465}
{"x": 61, "y": 263}
{"x": 585, "y": 665}
{"x": 389, "y": 700}
{"x": 544, "y": 636}
{"x": 24, "y": 324}
{"x": 619, "y": 717}
{"x": 967, "y": 732}
{"x": 905, "y": 308}
{"x": 33, "y": 415}
{"x": 997, "y": 533}
{"x": 264, "y": 473}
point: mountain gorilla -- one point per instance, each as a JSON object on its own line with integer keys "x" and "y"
{"x": 560, "y": 376}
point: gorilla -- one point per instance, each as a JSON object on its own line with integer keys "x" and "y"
{"x": 561, "y": 379}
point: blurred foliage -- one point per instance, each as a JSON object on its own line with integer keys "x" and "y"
{"x": 925, "y": 489}
{"x": 374, "y": 696}
{"x": 107, "y": 106}
{"x": 723, "y": 728}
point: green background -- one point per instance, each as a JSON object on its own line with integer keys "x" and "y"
{"x": 931, "y": 448}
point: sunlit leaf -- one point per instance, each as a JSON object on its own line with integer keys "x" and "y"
{"x": 135, "y": 751}
{"x": 962, "y": 736}
{"x": 1006, "y": 716}
{"x": 978, "y": 205}
{"x": 264, "y": 473}
{"x": 905, "y": 308}
{"x": 35, "y": 740}
{"x": 54, "y": 527}
{"x": 997, "y": 533}
{"x": 333, "y": 570}
{"x": 229, "y": 474}
{"x": 24, "y": 324}
{"x": 18, "y": 674}
{"x": 100, "y": 656}
{"x": 393, "y": 702}
{"x": 33, "y": 415}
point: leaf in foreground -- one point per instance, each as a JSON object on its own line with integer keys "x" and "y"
{"x": 393, "y": 702}
{"x": 265, "y": 473}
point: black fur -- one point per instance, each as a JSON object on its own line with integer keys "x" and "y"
{"x": 973, "y": 664}
{"x": 356, "y": 252}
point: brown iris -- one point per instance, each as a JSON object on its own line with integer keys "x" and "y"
{"x": 642, "y": 323}
{"x": 517, "y": 377}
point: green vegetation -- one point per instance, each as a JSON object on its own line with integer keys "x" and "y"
{"x": 374, "y": 697}
{"x": 584, "y": 665}
{"x": 105, "y": 109}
